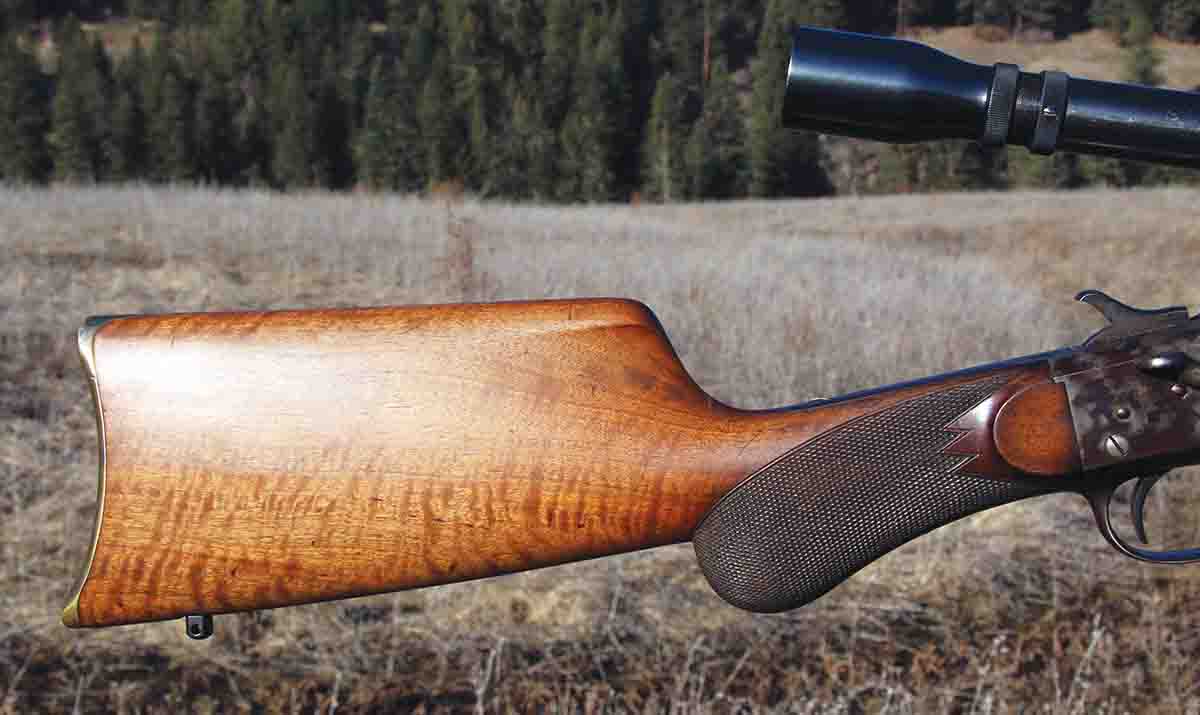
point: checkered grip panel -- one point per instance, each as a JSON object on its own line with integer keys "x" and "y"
{"x": 803, "y": 524}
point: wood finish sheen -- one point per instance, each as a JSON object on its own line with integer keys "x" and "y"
{"x": 255, "y": 460}
{"x": 1034, "y": 431}
{"x": 1004, "y": 436}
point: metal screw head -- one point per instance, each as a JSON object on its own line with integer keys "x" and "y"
{"x": 198, "y": 627}
{"x": 1116, "y": 446}
{"x": 1180, "y": 390}
{"x": 1123, "y": 413}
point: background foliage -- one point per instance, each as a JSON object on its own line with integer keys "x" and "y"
{"x": 556, "y": 100}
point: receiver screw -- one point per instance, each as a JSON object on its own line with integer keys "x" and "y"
{"x": 1116, "y": 446}
{"x": 1180, "y": 390}
{"x": 1123, "y": 413}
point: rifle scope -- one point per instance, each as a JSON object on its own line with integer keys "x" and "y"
{"x": 899, "y": 91}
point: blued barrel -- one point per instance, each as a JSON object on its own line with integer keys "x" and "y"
{"x": 902, "y": 91}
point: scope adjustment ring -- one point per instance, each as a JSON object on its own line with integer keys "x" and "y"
{"x": 1001, "y": 101}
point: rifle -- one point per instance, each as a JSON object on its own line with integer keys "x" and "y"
{"x": 264, "y": 459}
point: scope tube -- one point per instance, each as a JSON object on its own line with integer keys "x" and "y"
{"x": 902, "y": 91}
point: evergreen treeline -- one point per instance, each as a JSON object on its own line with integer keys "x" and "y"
{"x": 559, "y": 100}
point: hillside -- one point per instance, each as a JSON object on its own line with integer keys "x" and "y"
{"x": 1023, "y": 609}
{"x": 558, "y": 102}
{"x": 1093, "y": 54}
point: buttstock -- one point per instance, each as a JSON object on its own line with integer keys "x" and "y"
{"x": 255, "y": 460}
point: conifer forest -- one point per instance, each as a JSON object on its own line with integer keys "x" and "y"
{"x": 551, "y": 101}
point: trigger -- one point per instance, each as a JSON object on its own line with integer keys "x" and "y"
{"x": 1137, "y": 506}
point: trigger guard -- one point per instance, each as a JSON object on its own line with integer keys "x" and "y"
{"x": 1101, "y": 499}
{"x": 1137, "y": 505}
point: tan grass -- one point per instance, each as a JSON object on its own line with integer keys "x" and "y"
{"x": 1022, "y": 608}
{"x": 119, "y": 34}
{"x": 1093, "y": 54}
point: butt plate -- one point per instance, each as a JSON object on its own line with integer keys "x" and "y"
{"x": 86, "y": 342}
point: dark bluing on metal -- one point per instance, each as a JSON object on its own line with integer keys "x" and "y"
{"x": 198, "y": 627}
{"x": 1135, "y": 411}
{"x": 901, "y": 91}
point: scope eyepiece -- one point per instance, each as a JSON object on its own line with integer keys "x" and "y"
{"x": 894, "y": 90}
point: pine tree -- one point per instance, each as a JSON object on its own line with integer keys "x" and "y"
{"x": 293, "y": 161}
{"x": 171, "y": 132}
{"x": 561, "y": 43}
{"x": 24, "y": 109}
{"x": 822, "y": 13}
{"x": 252, "y": 126}
{"x": 422, "y": 43}
{"x": 663, "y": 170}
{"x": 360, "y": 65}
{"x": 100, "y": 91}
{"x": 168, "y": 113}
{"x": 474, "y": 56}
{"x": 682, "y": 28}
{"x": 440, "y": 130}
{"x": 159, "y": 60}
{"x": 388, "y": 148}
{"x": 191, "y": 12}
{"x": 560, "y": 52}
{"x": 332, "y": 130}
{"x": 480, "y": 110}
{"x": 616, "y": 98}
{"x": 127, "y": 150}
{"x": 910, "y": 13}
{"x": 1037, "y": 17}
{"x": 215, "y": 134}
{"x": 238, "y": 32}
{"x": 167, "y": 12}
{"x": 715, "y": 151}
{"x": 589, "y": 147}
{"x": 1111, "y": 15}
{"x": 79, "y": 111}
{"x": 782, "y": 162}
{"x": 1180, "y": 19}
{"x": 1142, "y": 61}
{"x": 403, "y": 13}
{"x": 634, "y": 23}
{"x": 523, "y": 162}
{"x": 519, "y": 27}
{"x": 998, "y": 13}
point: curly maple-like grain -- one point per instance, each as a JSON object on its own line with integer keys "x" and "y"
{"x": 255, "y": 460}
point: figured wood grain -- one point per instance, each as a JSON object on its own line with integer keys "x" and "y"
{"x": 1034, "y": 431}
{"x": 255, "y": 460}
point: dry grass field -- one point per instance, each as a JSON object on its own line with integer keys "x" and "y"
{"x": 1021, "y": 609}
